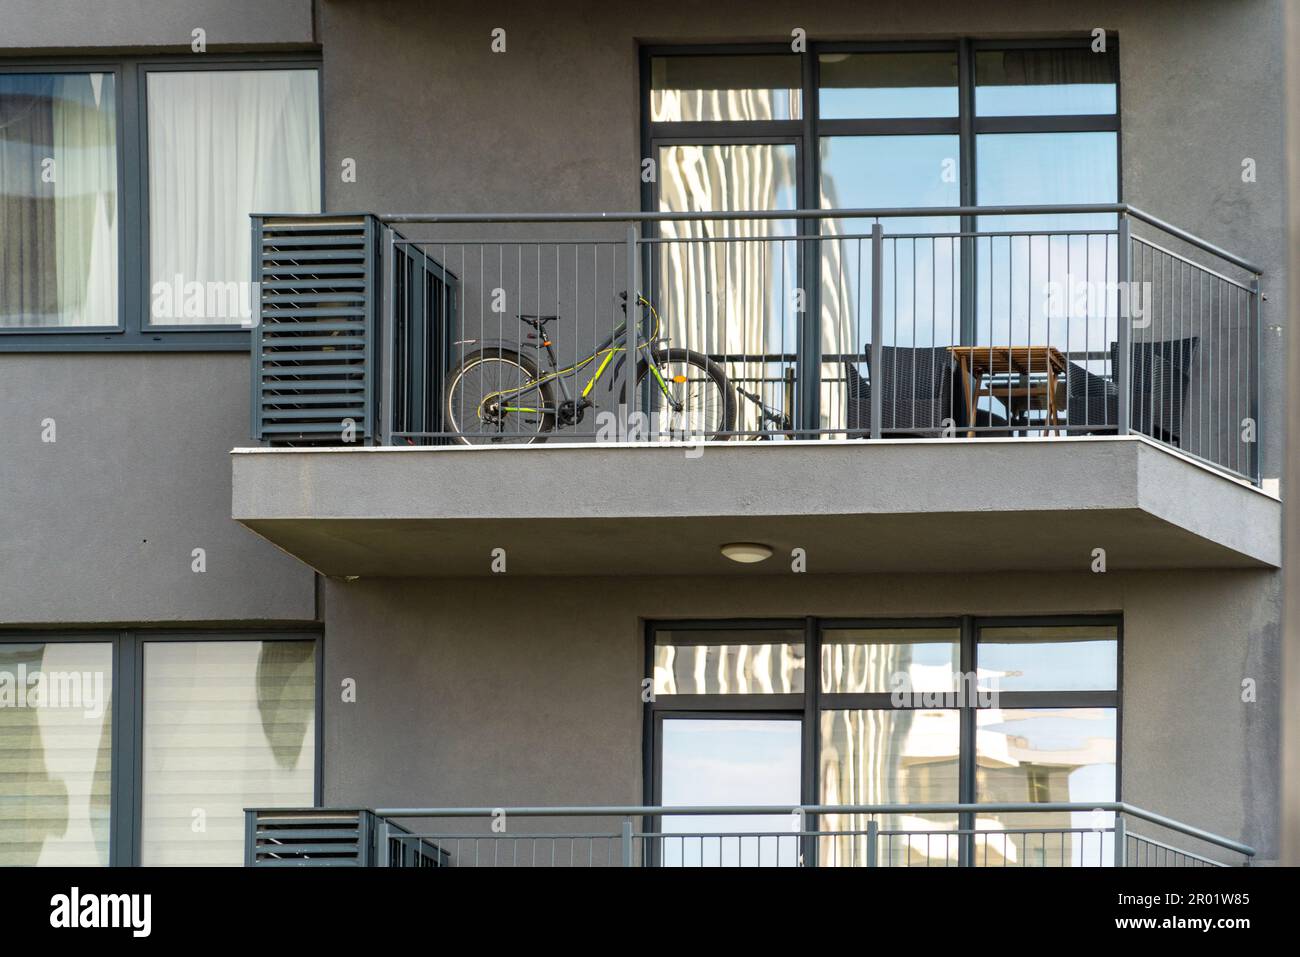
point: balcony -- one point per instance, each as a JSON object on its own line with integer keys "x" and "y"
{"x": 1029, "y": 383}
{"x": 929, "y": 835}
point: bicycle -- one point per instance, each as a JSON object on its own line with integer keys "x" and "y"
{"x": 499, "y": 393}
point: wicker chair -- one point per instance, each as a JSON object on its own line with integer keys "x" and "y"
{"x": 917, "y": 384}
{"x": 1161, "y": 372}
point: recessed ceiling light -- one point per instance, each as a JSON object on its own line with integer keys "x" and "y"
{"x": 747, "y": 552}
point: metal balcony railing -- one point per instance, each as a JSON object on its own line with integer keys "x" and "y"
{"x": 1030, "y": 321}
{"x": 879, "y": 835}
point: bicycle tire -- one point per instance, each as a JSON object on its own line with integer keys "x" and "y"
{"x": 453, "y": 410}
{"x": 711, "y": 370}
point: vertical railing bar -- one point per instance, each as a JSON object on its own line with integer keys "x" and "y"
{"x": 633, "y": 320}
{"x": 876, "y": 379}
{"x": 1122, "y": 376}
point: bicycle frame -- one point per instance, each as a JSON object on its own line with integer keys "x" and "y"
{"x": 606, "y": 351}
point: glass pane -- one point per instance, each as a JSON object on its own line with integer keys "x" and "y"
{"x": 873, "y": 172}
{"x": 1036, "y": 169}
{"x": 890, "y": 757}
{"x": 887, "y": 85}
{"x": 731, "y": 762}
{"x": 724, "y": 288}
{"x": 1042, "y": 756}
{"x": 58, "y": 200}
{"x": 764, "y": 662}
{"x": 883, "y": 660}
{"x": 1045, "y": 82}
{"x": 227, "y": 725}
{"x": 223, "y": 145}
{"x": 1074, "y": 658}
{"x": 55, "y": 753}
{"x": 742, "y": 87}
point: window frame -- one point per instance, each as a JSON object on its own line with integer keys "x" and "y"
{"x": 133, "y": 332}
{"x": 809, "y": 706}
{"x": 126, "y": 792}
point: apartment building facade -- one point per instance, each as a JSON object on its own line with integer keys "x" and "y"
{"x": 943, "y": 504}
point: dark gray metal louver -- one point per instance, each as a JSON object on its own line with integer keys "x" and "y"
{"x": 314, "y": 363}
{"x": 328, "y": 837}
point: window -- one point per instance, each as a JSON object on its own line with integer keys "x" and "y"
{"x": 56, "y": 752}
{"x": 143, "y": 748}
{"x": 222, "y": 146}
{"x": 960, "y": 711}
{"x": 193, "y": 148}
{"x": 920, "y": 125}
{"x": 58, "y": 200}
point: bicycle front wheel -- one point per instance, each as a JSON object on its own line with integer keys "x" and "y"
{"x": 493, "y": 397}
{"x": 688, "y": 394}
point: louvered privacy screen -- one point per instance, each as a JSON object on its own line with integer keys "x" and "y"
{"x": 314, "y": 349}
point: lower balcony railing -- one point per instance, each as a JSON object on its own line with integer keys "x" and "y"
{"x": 883, "y": 835}
{"x": 798, "y": 324}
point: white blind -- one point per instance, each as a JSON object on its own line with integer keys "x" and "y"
{"x": 55, "y": 753}
{"x": 227, "y": 725}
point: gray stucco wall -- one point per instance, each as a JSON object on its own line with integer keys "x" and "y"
{"x": 99, "y": 526}
{"x": 527, "y": 692}
{"x": 437, "y": 122}
{"x": 140, "y": 24}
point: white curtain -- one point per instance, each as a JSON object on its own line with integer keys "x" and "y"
{"x": 223, "y": 145}
{"x": 85, "y": 199}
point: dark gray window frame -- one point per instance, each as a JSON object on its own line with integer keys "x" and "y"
{"x": 133, "y": 332}
{"x": 127, "y": 724}
{"x": 808, "y": 130}
{"x": 809, "y": 705}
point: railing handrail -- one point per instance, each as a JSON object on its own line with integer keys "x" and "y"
{"x": 894, "y": 212}
{"x": 1117, "y": 807}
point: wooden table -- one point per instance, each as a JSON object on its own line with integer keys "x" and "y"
{"x": 1030, "y": 374}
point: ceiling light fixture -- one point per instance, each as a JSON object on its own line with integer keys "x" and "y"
{"x": 747, "y": 552}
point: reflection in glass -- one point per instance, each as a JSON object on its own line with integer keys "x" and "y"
{"x": 882, "y": 660}
{"x": 1027, "y": 286}
{"x": 724, "y": 287}
{"x": 890, "y": 757}
{"x": 1045, "y": 755}
{"x": 761, "y": 666}
{"x": 1045, "y": 82}
{"x": 730, "y": 762}
{"x": 1073, "y": 658}
{"x": 1059, "y": 169}
{"x": 740, "y": 87}
{"x": 223, "y": 145}
{"x": 58, "y": 200}
{"x": 887, "y": 85}
{"x": 55, "y": 753}
{"x": 227, "y": 725}
{"x": 922, "y": 289}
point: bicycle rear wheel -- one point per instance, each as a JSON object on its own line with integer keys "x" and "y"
{"x": 493, "y": 397}
{"x": 700, "y": 402}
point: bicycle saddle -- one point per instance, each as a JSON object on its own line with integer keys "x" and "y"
{"x": 535, "y": 320}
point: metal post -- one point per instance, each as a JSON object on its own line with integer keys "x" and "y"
{"x": 877, "y": 325}
{"x": 1123, "y": 347}
{"x": 873, "y": 842}
{"x": 382, "y": 852}
{"x": 250, "y": 837}
{"x": 627, "y": 842}
{"x": 388, "y": 338}
{"x": 633, "y": 320}
{"x": 1121, "y": 848}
